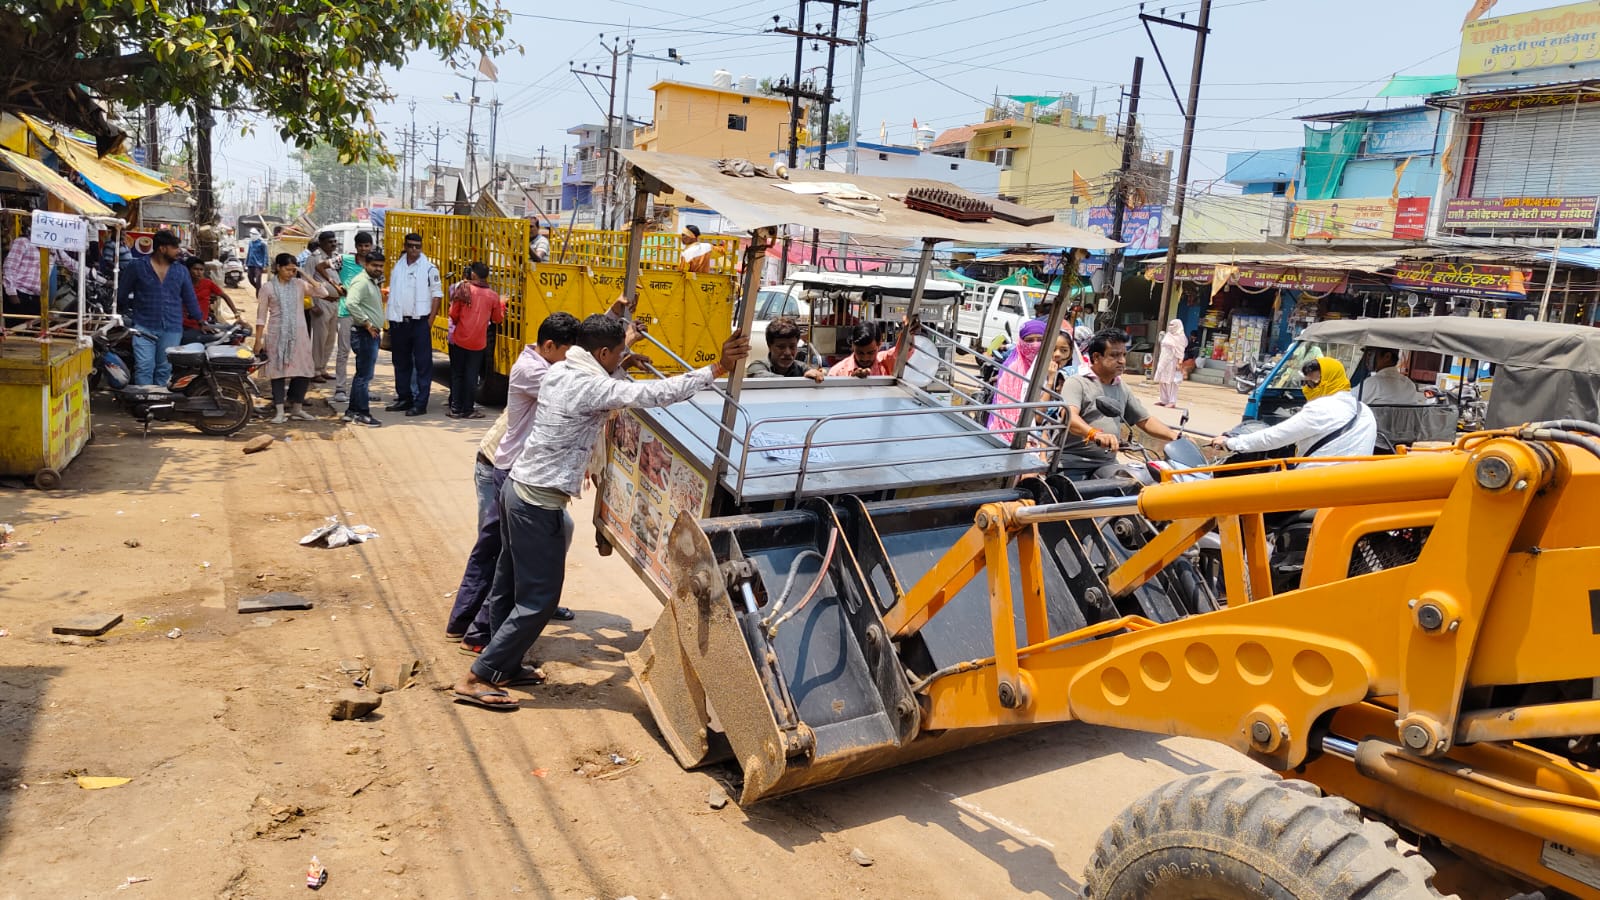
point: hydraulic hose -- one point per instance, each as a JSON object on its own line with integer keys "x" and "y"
{"x": 1556, "y": 436}
{"x": 772, "y": 621}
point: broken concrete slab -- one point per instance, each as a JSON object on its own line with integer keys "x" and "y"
{"x": 350, "y": 705}
{"x": 91, "y": 625}
{"x": 275, "y": 600}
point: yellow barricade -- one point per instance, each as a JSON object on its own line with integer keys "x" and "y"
{"x": 691, "y": 314}
{"x": 660, "y": 251}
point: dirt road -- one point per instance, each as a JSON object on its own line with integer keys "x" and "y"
{"x": 238, "y": 775}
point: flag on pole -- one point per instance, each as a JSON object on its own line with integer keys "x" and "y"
{"x": 488, "y": 68}
{"x": 1080, "y": 185}
{"x": 311, "y": 202}
{"x": 1479, "y": 7}
{"x": 914, "y": 125}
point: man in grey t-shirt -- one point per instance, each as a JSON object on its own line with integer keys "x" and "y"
{"x": 1093, "y": 435}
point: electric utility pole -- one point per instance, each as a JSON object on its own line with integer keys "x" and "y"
{"x": 797, "y": 91}
{"x": 1201, "y": 29}
{"x": 851, "y": 164}
{"x": 494, "y": 117}
{"x": 610, "y": 142}
{"x": 411, "y": 171}
{"x": 1119, "y": 193}
{"x": 672, "y": 57}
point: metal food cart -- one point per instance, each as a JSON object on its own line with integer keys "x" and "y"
{"x": 771, "y": 444}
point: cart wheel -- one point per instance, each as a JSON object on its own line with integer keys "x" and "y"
{"x": 47, "y": 479}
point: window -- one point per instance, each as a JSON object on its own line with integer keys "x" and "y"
{"x": 954, "y": 166}
{"x": 552, "y": 205}
{"x": 745, "y": 100}
{"x": 1002, "y": 158}
{"x": 884, "y": 157}
{"x": 736, "y": 123}
{"x": 1008, "y": 132}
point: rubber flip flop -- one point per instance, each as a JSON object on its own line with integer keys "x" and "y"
{"x": 454, "y": 638}
{"x": 528, "y": 675}
{"x": 476, "y": 699}
{"x": 470, "y": 649}
{"x": 563, "y": 614}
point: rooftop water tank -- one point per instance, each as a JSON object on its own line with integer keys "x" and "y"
{"x": 722, "y": 78}
{"x": 748, "y": 84}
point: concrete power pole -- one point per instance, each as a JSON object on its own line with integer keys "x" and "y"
{"x": 1201, "y": 29}
{"x": 1119, "y": 194}
{"x": 851, "y": 163}
{"x": 796, "y": 91}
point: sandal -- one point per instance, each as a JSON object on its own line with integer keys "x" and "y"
{"x": 471, "y": 649}
{"x": 454, "y": 637}
{"x": 562, "y": 614}
{"x": 476, "y": 698}
{"x": 529, "y": 675}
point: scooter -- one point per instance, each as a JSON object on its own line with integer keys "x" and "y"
{"x": 1248, "y": 374}
{"x": 232, "y": 270}
{"x": 210, "y": 388}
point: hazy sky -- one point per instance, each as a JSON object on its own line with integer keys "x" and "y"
{"x": 939, "y": 61}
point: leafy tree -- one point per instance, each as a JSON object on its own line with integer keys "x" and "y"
{"x": 342, "y": 187}
{"x": 313, "y": 67}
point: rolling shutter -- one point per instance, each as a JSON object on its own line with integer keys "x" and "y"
{"x": 1548, "y": 153}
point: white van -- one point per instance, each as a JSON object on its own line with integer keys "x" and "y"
{"x": 992, "y": 310}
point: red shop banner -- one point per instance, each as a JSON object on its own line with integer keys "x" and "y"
{"x": 1462, "y": 278}
{"x": 1521, "y": 212}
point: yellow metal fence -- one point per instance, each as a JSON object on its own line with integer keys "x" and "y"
{"x": 690, "y": 314}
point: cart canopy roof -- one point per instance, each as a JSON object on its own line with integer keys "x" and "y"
{"x": 895, "y": 285}
{"x": 757, "y": 202}
{"x": 1546, "y": 370}
{"x": 1546, "y": 345}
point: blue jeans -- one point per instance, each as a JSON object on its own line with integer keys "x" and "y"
{"x": 468, "y": 615}
{"x": 365, "y": 349}
{"x": 150, "y": 364}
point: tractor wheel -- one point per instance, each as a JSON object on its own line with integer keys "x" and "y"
{"x": 1236, "y": 836}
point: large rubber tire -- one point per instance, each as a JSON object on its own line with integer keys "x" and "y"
{"x": 1237, "y": 836}
{"x": 233, "y": 396}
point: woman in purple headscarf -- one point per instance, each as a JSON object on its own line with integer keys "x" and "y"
{"x": 1012, "y": 382}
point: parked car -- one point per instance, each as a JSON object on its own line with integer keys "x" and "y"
{"x": 993, "y": 310}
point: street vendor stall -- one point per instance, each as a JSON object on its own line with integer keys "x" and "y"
{"x": 759, "y": 445}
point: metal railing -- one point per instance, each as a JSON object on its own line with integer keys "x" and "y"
{"x": 1043, "y": 435}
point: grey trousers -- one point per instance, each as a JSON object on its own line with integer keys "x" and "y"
{"x": 528, "y": 578}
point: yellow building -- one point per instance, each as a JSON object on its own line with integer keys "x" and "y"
{"x": 715, "y": 121}
{"x": 1038, "y": 156}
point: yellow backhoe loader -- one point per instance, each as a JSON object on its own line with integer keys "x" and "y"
{"x": 1433, "y": 675}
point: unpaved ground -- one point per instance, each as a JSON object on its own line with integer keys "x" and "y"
{"x": 239, "y": 776}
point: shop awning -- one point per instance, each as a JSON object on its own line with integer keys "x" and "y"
{"x": 1587, "y": 257}
{"x": 113, "y": 178}
{"x": 1418, "y": 85}
{"x": 58, "y": 187}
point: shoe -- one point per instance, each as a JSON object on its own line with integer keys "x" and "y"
{"x": 364, "y": 419}
{"x": 413, "y": 411}
{"x": 562, "y": 614}
{"x": 398, "y": 405}
{"x": 302, "y": 415}
{"x": 341, "y": 397}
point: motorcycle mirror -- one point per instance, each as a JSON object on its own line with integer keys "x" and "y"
{"x": 1183, "y": 418}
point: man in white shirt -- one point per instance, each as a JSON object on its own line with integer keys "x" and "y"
{"x": 1387, "y": 385}
{"x": 540, "y": 246}
{"x": 1333, "y": 422}
{"x": 469, "y": 618}
{"x": 414, "y": 295}
{"x": 575, "y": 399}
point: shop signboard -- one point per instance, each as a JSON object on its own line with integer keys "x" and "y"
{"x": 60, "y": 231}
{"x": 1516, "y": 102}
{"x": 1470, "y": 279}
{"x": 1141, "y": 227}
{"x": 646, "y": 483}
{"x": 1521, "y": 212}
{"x": 1255, "y": 276}
{"x": 1546, "y": 38}
{"x": 1360, "y": 219}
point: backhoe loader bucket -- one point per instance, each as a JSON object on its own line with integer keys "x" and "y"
{"x": 773, "y": 649}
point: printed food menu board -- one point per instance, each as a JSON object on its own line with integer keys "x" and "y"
{"x": 646, "y": 483}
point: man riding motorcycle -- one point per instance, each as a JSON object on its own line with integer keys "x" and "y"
{"x": 1089, "y": 448}
{"x": 1333, "y": 423}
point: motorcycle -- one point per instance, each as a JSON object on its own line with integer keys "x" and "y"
{"x": 210, "y": 388}
{"x": 232, "y": 270}
{"x": 97, "y": 293}
{"x": 1249, "y": 373}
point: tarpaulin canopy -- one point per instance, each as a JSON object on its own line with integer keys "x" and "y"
{"x": 1326, "y": 153}
{"x": 58, "y": 187}
{"x": 1547, "y": 370}
{"x": 114, "y": 180}
{"x": 1418, "y": 85}
{"x": 1040, "y": 99}
{"x": 756, "y": 201}
{"x": 1020, "y": 277}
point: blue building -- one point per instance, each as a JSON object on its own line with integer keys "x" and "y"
{"x": 583, "y": 170}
